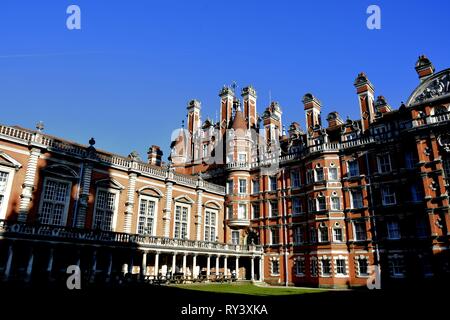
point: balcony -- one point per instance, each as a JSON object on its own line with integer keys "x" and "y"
{"x": 237, "y": 165}
{"x": 238, "y": 223}
{"x": 24, "y": 231}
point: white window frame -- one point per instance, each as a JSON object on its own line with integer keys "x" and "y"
{"x": 230, "y": 186}
{"x": 296, "y": 205}
{"x": 299, "y": 235}
{"x": 390, "y": 234}
{"x": 314, "y": 267}
{"x": 333, "y": 207}
{"x": 234, "y": 232}
{"x": 243, "y": 155}
{"x": 67, "y": 202}
{"x": 242, "y": 205}
{"x": 358, "y": 267}
{"x": 316, "y": 174}
{"x": 322, "y": 267}
{"x": 6, "y": 194}
{"x": 383, "y": 164}
{"x": 352, "y": 199}
{"x": 321, "y": 233}
{"x": 396, "y": 262}
{"x": 270, "y": 183}
{"x": 355, "y": 237}
{"x": 385, "y": 195}
{"x": 295, "y": 179}
{"x": 240, "y": 180}
{"x": 205, "y": 150}
{"x": 155, "y": 215}
{"x": 216, "y": 212}
{"x": 182, "y": 205}
{"x": 116, "y": 206}
{"x": 337, "y": 273}
{"x": 253, "y": 210}
{"x": 334, "y": 234}
{"x": 318, "y": 206}
{"x": 349, "y": 172}
{"x": 255, "y": 182}
{"x": 300, "y": 261}
{"x": 274, "y": 231}
{"x": 410, "y": 160}
{"x": 272, "y": 271}
{"x": 335, "y": 169}
{"x": 271, "y": 208}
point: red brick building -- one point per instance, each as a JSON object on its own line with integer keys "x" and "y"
{"x": 330, "y": 202}
{"x": 313, "y": 207}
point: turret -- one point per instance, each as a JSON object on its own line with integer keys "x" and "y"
{"x": 365, "y": 91}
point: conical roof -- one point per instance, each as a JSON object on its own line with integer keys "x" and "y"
{"x": 239, "y": 121}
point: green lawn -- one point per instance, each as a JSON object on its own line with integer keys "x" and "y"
{"x": 248, "y": 289}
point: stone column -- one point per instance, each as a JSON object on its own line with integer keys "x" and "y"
{"x": 110, "y": 265}
{"x": 199, "y": 214}
{"x": 9, "y": 262}
{"x": 84, "y": 196}
{"x": 130, "y": 202}
{"x": 130, "y": 267}
{"x": 29, "y": 266}
{"x": 28, "y": 185}
{"x": 94, "y": 265}
{"x": 253, "y": 269}
{"x": 184, "y": 265}
{"x": 225, "y": 266}
{"x": 217, "y": 265}
{"x": 194, "y": 266}
{"x": 208, "y": 266}
{"x": 50, "y": 262}
{"x": 261, "y": 268}
{"x": 237, "y": 267}
{"x": 144, "y": 264}
{"x": 174, "y": 263}
{"x": 168, "y": 209}
{"x": 156, "y": 268}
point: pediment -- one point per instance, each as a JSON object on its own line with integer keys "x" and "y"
{"x": 151, "y": 191}
{"x": 110, "y": 183}
{"x": 7, "y": 160}
{"x": 184, "y": 199}
{"x": 61, "y": 170}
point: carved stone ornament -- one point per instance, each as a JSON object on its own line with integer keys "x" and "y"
{"x": 444, "y": 141}
{"x": 438, "y": 87}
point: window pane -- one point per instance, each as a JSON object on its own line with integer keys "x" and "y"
{"x": 54, "y": 202}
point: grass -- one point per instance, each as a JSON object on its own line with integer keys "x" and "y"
{"x": 248, "y": 289}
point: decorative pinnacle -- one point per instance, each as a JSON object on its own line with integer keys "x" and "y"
{"x": 40, "y": 126}
{"x": 91, "y": 142}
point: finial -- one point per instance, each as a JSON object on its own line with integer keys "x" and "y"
{"x": 234, "y": 86}
{"x": 182, "y": 124}
{"x": 40, "y": 126}
{"x": 91, "y": 142}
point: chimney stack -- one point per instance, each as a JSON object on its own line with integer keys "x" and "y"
{"x": 365, "y": 91}
{"x": 334, "y": 119}
{"x": 312, "y": 111}
{"x": 424, "y": 68}
{"x": 155, "y": 155}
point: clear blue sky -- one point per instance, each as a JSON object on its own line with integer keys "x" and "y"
{"x": 125, "y": 78}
